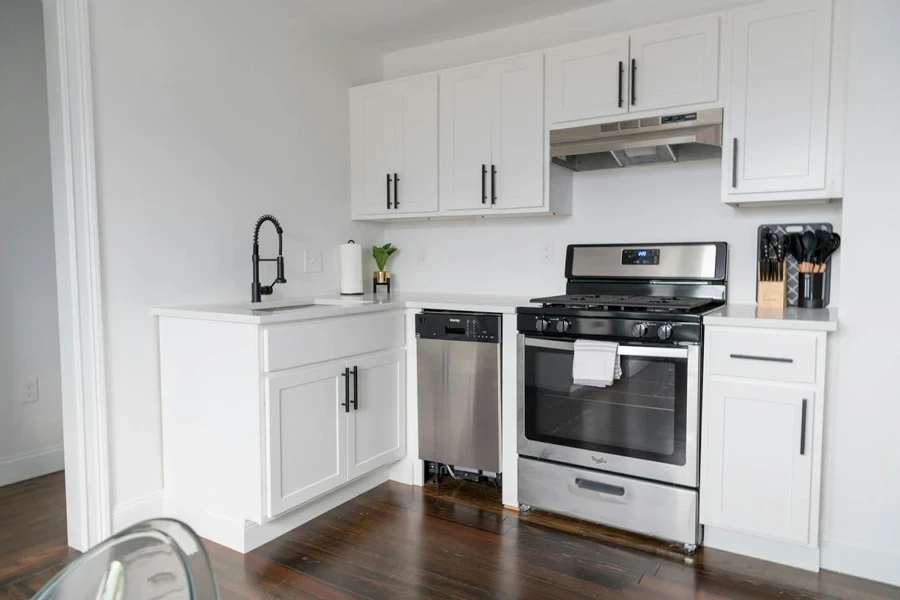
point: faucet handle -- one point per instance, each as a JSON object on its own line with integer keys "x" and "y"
{"x": 279, "y": 262}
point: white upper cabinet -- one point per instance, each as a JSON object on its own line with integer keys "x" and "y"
{"x": 588, "y": 80}
{"x": 777, "y": 119}
{"x": 394, "y": 146}
{"x": 675, "y": 65}
{"x": 465, "y": 140}
{"x": 493, "y": 153}
{"x": 648, "y": 69}
{"x": 518, "y": 154}
{"x": 758, "y": 459}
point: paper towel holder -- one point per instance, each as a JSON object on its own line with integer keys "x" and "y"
{"x": 359, "y": 293}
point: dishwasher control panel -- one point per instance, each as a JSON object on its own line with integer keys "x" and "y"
{"x": 462, "y": 327}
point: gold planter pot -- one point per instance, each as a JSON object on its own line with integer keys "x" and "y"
{"x": 382, "y": 276}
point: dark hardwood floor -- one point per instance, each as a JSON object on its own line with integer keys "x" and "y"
{"x": 454, "y": 541}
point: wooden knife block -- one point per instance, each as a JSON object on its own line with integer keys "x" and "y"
{"x": 771, "y": 294}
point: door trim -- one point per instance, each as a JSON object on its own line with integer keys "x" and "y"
{"x": 78, "y": 272}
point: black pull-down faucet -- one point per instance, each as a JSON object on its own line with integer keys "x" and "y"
{"x": 257, "y": 291}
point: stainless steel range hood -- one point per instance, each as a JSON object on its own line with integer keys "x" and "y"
{"x": 635, "y": 141}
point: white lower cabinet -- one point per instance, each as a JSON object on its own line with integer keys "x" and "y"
{"x": 759, "y": 459}
{"x": 375, "y": 423}
{"x": 329, "y": 424}
{"x": 761, "y": 442}
{"x": 306, "y": 433}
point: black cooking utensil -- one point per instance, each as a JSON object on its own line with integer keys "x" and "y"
{"x": 810, "y": 242}
{"x": 834, "y": 242}
{"x": 823, "y": 238}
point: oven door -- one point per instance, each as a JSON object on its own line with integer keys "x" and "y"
{"x": 645, "y": 424}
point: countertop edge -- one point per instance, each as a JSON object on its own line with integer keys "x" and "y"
{"x": 791, "y": 319}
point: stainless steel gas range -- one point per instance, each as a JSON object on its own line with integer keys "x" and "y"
{"x": 625, "y": 455}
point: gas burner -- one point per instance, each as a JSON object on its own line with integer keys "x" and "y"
{"x": 618, "y": 302}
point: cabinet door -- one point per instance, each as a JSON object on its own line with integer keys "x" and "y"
{"x": 588, "y": 80}
{"x": 376, "y": 429}
{"x": 465, "y": 138}
{"x": 675, "y": 65}
{"x": 757, "y": 459}
{"x": 518, "y": 156}
{"x": 417, "y": 188}
{"x": 778, "y": 115}
{"x": 306, "y": 435}
{"x": 376, "y": 140}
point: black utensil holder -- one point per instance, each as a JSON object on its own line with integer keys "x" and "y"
{"x": 812, "y": 290}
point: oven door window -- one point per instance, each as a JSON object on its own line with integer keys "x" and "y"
{"x": 641, "y": 415}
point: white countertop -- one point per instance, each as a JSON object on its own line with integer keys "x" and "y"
{"x": 332, "y": 306}
{"x": 750, "y": 315}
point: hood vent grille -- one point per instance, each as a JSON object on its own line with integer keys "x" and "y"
{"x": 633, "y": 142}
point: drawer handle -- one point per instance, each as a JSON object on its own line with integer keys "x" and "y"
{"x": 803, "y": 428}
{"x": 602, "y": 488}
{"x": 763, "y": 358}
{"x": 346, "y": 376}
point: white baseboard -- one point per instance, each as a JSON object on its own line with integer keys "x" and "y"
{"x": 134, "y": 511}
{"x": 861, "y": 561}
{"x": 31, "y": 465}
{"x": 243, "y": 536}
{"x": 792, "y": 555}
{"x": 408, "y": 471}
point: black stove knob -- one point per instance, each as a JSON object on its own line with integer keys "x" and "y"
{"x": 665, "y": 331}
{"x": 541, "y": 324}
{"x": 563, "y": 326}
{"x": 639, "y": 330}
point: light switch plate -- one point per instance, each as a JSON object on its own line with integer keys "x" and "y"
{"x": 313, "y": 261}
{"x": 30, "y": 390}
{"x": 422, "y": 256}
{"x": 547, "y": 253}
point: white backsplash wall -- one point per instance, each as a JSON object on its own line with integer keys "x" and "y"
{"x": 660, "y": 203}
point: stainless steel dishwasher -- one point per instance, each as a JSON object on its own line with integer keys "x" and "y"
{"x": 459, "y": 389}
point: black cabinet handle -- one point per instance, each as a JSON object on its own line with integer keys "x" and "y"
{"x": 493, "y": 184}
{"x": 763, "y": 358}
{"x": 483, "y": 184}
{"x": 621, "y": 72}
{"x": 734, "y": 151}
{"x": 387, "y": 191}
{"x": 803, "y": 428}
{"x": 633, "y": 81}
{"x": 355, "y": 388}
{"x": 596, "y": 486}
{"x": 346, "y": 402}
{"x": 396, "y": 192}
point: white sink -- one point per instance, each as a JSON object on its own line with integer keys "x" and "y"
{"x": 342, "y": 301}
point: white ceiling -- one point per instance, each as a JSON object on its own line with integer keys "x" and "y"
{"x": 388, "y": 25}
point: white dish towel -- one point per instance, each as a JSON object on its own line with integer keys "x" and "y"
{"x": 596, "y": 364}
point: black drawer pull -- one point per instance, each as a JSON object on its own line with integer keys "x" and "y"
{"x": 346, "y": 402}
{"x": 387, "y": 192}
{"x": 734, "y": 163}
{"x": 803, "y": 428}
{"x": 483, "y": 184}
{"x": 355, "y": 388}
{"x": 396, "y": 192}
{"x": 762, "y": 358}
{"x": 621, "y": 72}
{"x": 633, "y": 82}
{"x": 602, "y": 488}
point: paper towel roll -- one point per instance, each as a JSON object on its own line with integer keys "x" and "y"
{"x": 351, "y": 268}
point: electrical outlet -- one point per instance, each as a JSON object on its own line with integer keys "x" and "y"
{"x": 313, "y": 261}
{"x": 422, "y": 256}
{"x": 547, "y": 253}
{"x": 30, "y": 390}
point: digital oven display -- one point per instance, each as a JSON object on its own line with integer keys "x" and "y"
{"x": 640, "y": 256}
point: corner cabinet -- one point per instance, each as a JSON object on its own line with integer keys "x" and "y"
{"x": 761, "y": 445}
{"x": 783, "y": 133}
{"x": 394, "y": 146}
{"x": 660, "y": 67}
{"x": 268, "y": 425}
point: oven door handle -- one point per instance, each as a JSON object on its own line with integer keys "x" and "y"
{"x": 648, "y": 351}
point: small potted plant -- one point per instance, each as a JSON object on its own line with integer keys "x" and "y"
{"x": 381, "y": 255}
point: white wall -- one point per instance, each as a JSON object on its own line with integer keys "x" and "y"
{"x": 30, "y": 434}
{"x": 671, "y": 202}
{"x": 861, "y": 496}
{"x": 209, "y": 114}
